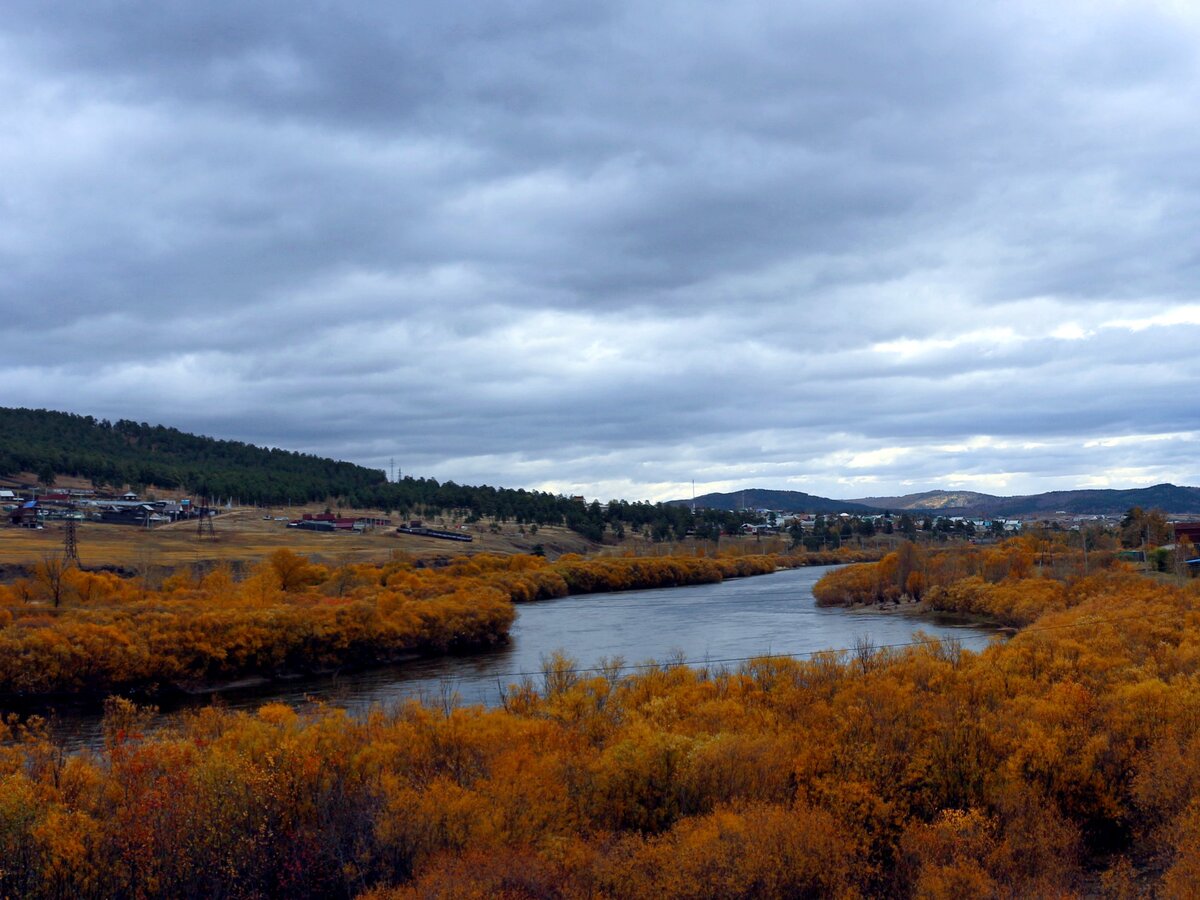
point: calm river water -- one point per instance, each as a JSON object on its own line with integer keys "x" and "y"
{"x": 739, "y": 618}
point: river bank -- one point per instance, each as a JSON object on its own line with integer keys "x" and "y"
{"x": 86, "y": 635}
{"x": 721, "y": 624}
{"x": 923, "y": 609}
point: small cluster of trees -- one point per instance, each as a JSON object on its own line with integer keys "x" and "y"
{"x": 1061, "y": 762}
{"x": 833, "y": 532}
{"x": 991, "y": 580}
{"x": 1144, "y": 528}
{"x": 911, "y": 572}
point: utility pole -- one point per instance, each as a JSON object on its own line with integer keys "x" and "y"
{"x": 70, "y": 544}
{"x": 204, "y": 528}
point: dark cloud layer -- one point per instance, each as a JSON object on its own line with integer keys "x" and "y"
{"x": 608, "y": 248}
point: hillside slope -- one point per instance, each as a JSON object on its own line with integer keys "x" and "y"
{"x": 931, "y": 500}
{"x": 63, "y": 446}
{"x": 126, "y": 452}
{"x": 789, "y": 501}
{"x": 1169, "y": 498}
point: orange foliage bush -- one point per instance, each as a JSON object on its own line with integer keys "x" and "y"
{"x": 995, "y": 582}
{"x": 1012, "y": 601}
{"x": 69, "y": 631}
{"x": 287, "y": 616}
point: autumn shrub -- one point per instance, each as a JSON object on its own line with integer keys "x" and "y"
{"x": 949, "y": 857}
{"x": 279, "y": 619}
{"x": 288, "y": 615}
{"x": 1012, "y": 601}
{"x": 995, "y": 581}
{"x": 756, "y": 850}
{"x": 853, "y": 585}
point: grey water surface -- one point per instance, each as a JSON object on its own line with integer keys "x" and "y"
{"x": 716, "y": 623}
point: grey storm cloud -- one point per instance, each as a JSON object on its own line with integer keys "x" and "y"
{"x": 608, "y": 248}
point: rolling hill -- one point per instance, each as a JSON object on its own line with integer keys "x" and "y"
{"x": 57, "y": 448}
{"x": 52, "y": 444}
{"x": 790, "y": 501}
{"x": 930, "y": 500}
{"x": 1169, "y": 498}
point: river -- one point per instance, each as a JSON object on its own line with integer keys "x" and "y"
{"x": 719, "y": 623}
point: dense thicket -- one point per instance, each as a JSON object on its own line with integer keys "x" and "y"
{"x": 66, "y": 631}
{"x": 1012, "y": 582}
{"x": 1063, "y": 762}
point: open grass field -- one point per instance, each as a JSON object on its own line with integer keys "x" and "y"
{"x": 243, "y": 535}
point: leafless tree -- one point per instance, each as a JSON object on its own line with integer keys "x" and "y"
{"x": 50, "y": 575}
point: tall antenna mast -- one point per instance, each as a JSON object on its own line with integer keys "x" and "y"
{"x": 693, "y": 496}
{"x": 392, "y": 467}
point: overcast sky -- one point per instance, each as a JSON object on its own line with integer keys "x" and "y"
{"x": 849, "y": 248}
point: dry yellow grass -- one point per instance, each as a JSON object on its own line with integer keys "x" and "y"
{"x": 243, "y": 535}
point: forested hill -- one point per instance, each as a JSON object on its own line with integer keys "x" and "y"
{"x": 124, "y": 452}
{"x": 1169, "y": 498}
{"x": 115, "y": 454}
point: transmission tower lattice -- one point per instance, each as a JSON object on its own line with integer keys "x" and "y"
{"x": 204, "y": 527}
{"x": 70, "y": 543}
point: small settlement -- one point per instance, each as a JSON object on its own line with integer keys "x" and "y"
{"x": 33, "y": 508}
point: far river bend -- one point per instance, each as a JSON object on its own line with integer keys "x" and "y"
{"x": 742, "y": 617}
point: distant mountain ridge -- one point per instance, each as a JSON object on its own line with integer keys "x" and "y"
{"x": 931, "y": 500}
{"x": 1170, "y": 498}
{"x": 1096, "y": 502}
{"x": 789, "y": 501}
